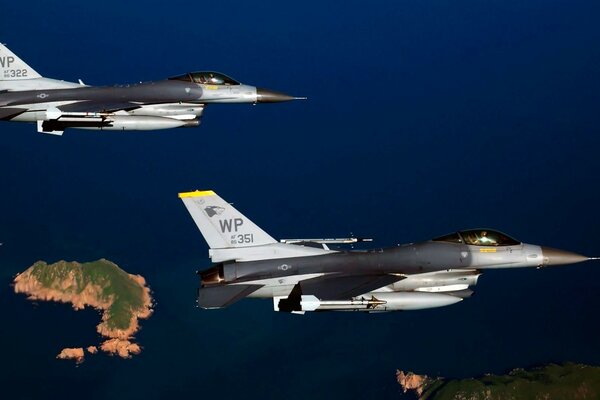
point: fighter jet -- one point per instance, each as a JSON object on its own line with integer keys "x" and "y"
{"x": 307, "y": 275}
{"x": 26, "y": 96}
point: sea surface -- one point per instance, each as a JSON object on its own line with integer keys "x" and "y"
{"x": 422, "y": 118}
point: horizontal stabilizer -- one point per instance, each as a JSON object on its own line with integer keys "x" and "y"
{"x": 223, "y": 296}
{"x": 8, "y": 113}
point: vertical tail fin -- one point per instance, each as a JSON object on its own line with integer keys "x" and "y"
{"x": 220, "y": 223}
{"x": 12, "y": 68}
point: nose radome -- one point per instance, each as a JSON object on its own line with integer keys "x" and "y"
{"x": 271, "y": 96}
{"x": 561, "y": 257}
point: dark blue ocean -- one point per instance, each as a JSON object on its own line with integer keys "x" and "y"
{"x": 422, "y": 118}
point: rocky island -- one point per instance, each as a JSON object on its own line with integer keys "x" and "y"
{"x": 121, "y": 297}
{"x": 551, "y": 382}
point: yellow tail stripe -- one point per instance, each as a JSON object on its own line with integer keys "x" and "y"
{"x": 197, "y": 193}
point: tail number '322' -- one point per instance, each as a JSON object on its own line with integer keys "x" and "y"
{"x": 15, "y": 73}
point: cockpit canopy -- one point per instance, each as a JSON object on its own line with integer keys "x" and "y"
{"x": 479, "y": 237}
{"x": 206, "y": 78}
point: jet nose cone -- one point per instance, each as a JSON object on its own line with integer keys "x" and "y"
{"x": 560, "y": 257}
{"x": 270, "y": 96}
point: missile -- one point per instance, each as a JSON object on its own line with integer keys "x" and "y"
{"x": 376, "y": 302}
{"x": 405, "y": 301}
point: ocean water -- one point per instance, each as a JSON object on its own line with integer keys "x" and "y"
{"x": 422, "y": 118}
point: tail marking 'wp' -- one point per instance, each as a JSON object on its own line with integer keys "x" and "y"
{"x": 228, "y": 224}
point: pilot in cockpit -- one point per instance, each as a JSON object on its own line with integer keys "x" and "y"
{"x": 485, "y": 240}
{"x": 214, "y": 80}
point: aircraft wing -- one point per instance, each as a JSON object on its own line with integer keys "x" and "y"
{"x": 83, "y": 114}
{"x": 223, "y": 296}
{"x": 341, "y": 287}
{"x": 101, "y": 115}
{"x": 8, "y": 113}
{"x": 98, "y": 107}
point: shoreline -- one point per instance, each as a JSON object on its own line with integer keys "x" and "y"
{"x": 70, "y": 288}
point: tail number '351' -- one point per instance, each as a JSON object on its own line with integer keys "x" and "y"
{"x": 241, "y": 239}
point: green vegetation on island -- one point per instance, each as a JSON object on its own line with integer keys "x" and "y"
{"x": 124, "y": 294}
{"x": 551, "y": 382}
{"x": 123, "y": 298}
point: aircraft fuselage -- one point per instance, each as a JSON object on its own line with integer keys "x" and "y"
{"x": 306, "y": 275}
{"x": 407, "y": 259}
{"x": 26, "y": 96}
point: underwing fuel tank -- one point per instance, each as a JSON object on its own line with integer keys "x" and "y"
{"x": 439, "y": 281}
{"x": 376, "y": 302}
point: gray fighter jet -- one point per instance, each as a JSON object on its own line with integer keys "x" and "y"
{"x": 306, "y": 275}
{"x": 26, "y": 96}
